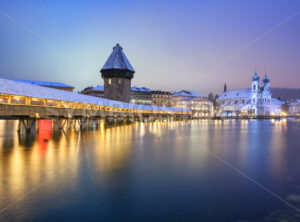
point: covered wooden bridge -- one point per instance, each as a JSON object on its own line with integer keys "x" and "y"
{"x": 28, "y": 103}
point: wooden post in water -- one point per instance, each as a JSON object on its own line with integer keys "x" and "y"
{"x": 20, "y": 122}
{"x": 69, "y": 123}
{"x": 52, "y": 123}
{"x": 61, "y": 126}
{"x": 36, "y": 125}
{"x": 28, "y": 124}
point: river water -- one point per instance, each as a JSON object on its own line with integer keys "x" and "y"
{"x": 200, "y": 170}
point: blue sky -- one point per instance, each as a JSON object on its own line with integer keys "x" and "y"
{"x": 173, "y": 45}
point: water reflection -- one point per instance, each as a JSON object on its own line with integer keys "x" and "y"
{"x": 121, "y": 172}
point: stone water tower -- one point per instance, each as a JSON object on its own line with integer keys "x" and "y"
{"x": 117, "y": 74}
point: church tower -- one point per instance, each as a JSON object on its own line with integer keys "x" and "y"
{"x": 266, "y": 96}
{"x": 255, "y": 92}
{"x": 255, "y": 83}
{"x": 266, "y": 84}
{"x": 117, "y": 73}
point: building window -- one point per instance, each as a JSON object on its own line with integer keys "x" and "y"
{"x": 254, "y": 87}
{"x": 109, "y": 81}
{"x": 120, "y": 81}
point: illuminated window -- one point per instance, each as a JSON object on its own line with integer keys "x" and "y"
{"x": 109, "y": 81}
{"x": 120, "y": 81}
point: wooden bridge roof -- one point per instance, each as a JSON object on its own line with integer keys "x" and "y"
{"x": 24, "y": 89}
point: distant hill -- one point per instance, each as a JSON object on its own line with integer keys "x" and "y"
{"x": 285, "y": 93}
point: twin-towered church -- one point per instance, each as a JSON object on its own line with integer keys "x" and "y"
{"x": 256, "y": 101}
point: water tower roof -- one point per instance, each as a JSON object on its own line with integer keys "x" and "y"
{"x": 117, "y": 60}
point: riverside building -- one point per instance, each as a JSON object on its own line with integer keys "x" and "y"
{"x": 200, "y": 106}
{"x": 141, "y": 96}
{"x": 161, "y": 98}
{"x": 294, "y": 108}
{"x": 256, "y": 101}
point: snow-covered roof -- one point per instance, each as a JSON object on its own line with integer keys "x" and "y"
{"x": 117, "y": 60}
{"x": 238, "y": 93}
{"x": 187, "y": 93}
{"x": 277, "y": 101}
{"x": 43, "y": 83}
{"x": 98, "y": 88}
{"x": 24, "y": 89}
{"x": 142, "y": 89}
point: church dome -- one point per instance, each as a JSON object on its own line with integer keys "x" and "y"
{"x": 266, "y": 79}
{"x": 255, "y": 77}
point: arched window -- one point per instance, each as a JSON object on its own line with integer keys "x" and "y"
{"x": 254, "y": 87}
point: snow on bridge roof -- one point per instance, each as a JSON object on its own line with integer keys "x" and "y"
{"x": 24, "y": 89}
{"x": 43, "y": 83}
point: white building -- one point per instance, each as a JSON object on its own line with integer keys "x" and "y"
{"x": 200, "y": 106}
{"x": 294, "y": 108}
{"x": 256, "y": 101}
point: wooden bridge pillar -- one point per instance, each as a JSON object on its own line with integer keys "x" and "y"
{"x": 130, "y": 119}
{"x": 28, "y": 123}
{"x": 94, "y": 123}
{"x": 20, "y": 123}
{"x": 151, "y": 118}
{"x": 36, "y": 125}
{"x": 69, "y": 123}
{"x": 87, "y": 120}
{"x": 120, "y": 119}
{"x": 166, "y": 118}
{"x": 146, "y": 119}
{"x": 62, "y": 122}
{"x": 98, "y": 120}
{"x": 109, "y": 119}
{"x": 75, "y": 123}
{"x": 159, "y": 118}
{"x": 82, "y": 122}
{"x": 137, "y": 118}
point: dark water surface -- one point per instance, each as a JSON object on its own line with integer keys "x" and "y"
{"x": 232, "y": 170}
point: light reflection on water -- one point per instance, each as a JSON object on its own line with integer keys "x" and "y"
{"x": 160, "y": 171}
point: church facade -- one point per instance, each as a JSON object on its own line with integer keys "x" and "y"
{"x": 256, "y": 101}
